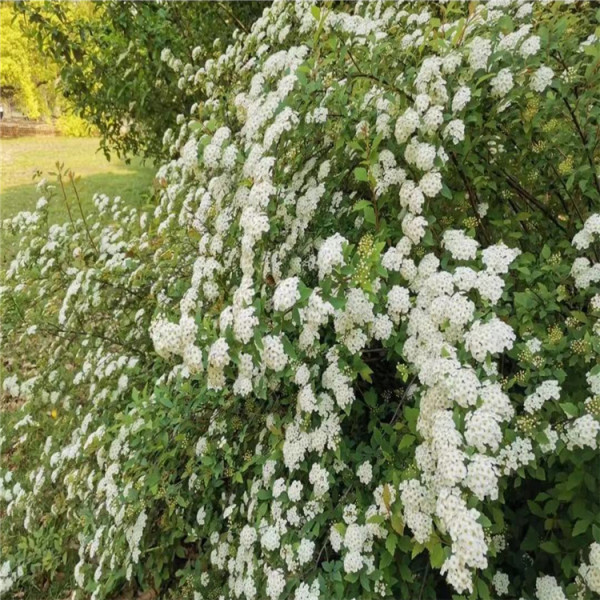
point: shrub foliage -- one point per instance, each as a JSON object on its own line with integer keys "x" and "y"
{"x": 352, "y": 351}
{"x": 108, "y": 59}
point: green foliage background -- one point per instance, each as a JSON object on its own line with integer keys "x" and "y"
{"x": 108, "y": 58}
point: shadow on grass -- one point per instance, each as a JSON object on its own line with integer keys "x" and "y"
{"x": 134, "y": 187}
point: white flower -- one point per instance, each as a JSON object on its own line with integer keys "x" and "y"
{"x": 500, "y": 582}
{"x": 365, "y": 473}
{"x": 541, "y": 79}
{"x": 492, "y": 337}
{"x": 461, "y": 98}
{"x": 270, "y": 539}
{"x": 275, "y": 583}
{"x": 455, "y": 130}
{"x": 549, "y": 389}
{"x": 459, "y": 245}
{"x": 398, "y": 302}
{"x": 273, "y": 353}
{"x": 547, "y": 588}
{"x": 480, "y": 50}
{"x": 218, "y": 355}
{"x": 502, "y": 83}
{"x": 286, "y": 294}
{"x": 319, "y": 478}
{"x": 590, "y": 572}
{"x": 431, "y": 184}
{"x": 530, "y": 46}
{"x": 331, "y": 254}
{"x": 497, "y": 258}
{"x": 305, "y": 551}
{"x": 406, "y": 125}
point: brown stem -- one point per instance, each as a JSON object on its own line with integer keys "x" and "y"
{"x": 64, "y": 192}
{"x": 423, "y": 581}
{"x": 516, "y": 211}
{"x": 583, "y": 138}
{"x": 232, "y": 15}
{"x": 87, "y": 229}
{"x": 526, "y": 195}
{"x": 50, "y": 328}
{"x": 362, "y": 74}
{"x": 558, "y": 177}
{"x": 402, "y": 399}
{"x": 472, "y": 196}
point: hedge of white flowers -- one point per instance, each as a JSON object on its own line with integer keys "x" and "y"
{"x": 351, "y": 351}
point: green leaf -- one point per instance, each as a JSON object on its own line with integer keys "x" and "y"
{"x": 569, "y": 409}
{"x": 436, "y": 555}
{"x": 550, "y": 546}
{"x": 417, "y": 549}
{"x": 406, "y": 441}
{"x": 165, "y": 401}
{"x": 580, "y": 527}
{"x": 397, "y": 523}
{"x": 386, "y": 560}
{"x": 360, "y": 205}
{"x": 361, "y": 174}
{"x": 369, "y": 214}
{"x": 483, "y": 590}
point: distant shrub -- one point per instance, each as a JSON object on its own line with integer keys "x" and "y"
{"x": 71, "y": 125}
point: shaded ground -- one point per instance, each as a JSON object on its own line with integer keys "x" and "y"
{"x": 22, "y": 157}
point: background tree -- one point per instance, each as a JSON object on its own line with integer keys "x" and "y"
{"x": 27, "y": 76}
{"x": 109, "y": 56}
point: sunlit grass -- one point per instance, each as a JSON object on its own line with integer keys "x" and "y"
{"x": 23, "y": 157}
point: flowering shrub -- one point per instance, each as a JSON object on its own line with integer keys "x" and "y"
{"x": 353, "y": 350}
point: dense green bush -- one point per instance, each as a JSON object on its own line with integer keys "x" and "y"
{"x": 352, "y": 352}
{"x": 71, "y": 125}
{"x": 108, "y": 57}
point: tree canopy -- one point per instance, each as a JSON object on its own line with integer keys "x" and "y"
{"x": 108, "y": 58}
{"x": 27, "y": 75}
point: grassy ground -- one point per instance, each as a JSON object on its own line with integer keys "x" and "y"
{"x": 22, "y": 157}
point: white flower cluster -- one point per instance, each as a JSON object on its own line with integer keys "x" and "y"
{"x": 583, "y": 270}
{"x": 541, "y": 79}
{"x": 492, "y": 337}
{"x": 460, "y": 246}
{"x": 547, "y": 588}
{"x": 590, "y": 571}
{"x": 548, "y": 390}
{"x": 286, "y": 295}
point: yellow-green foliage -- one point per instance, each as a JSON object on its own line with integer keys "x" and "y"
{"x": 72, "y": 125}
{"x": 23, "y": 68}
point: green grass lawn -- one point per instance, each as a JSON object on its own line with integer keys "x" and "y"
{"x": 22, "y": 157}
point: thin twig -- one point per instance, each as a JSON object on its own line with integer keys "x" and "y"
{"x": 64, "y": 192}
{"x": 473, "y": 199}
{"x": 232, "y": 15}
{"x": 87, "y": 229}
{"x": 401, "y": 402}
{"x": 423, "y": 581}
{"x": 583, "y": 138}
